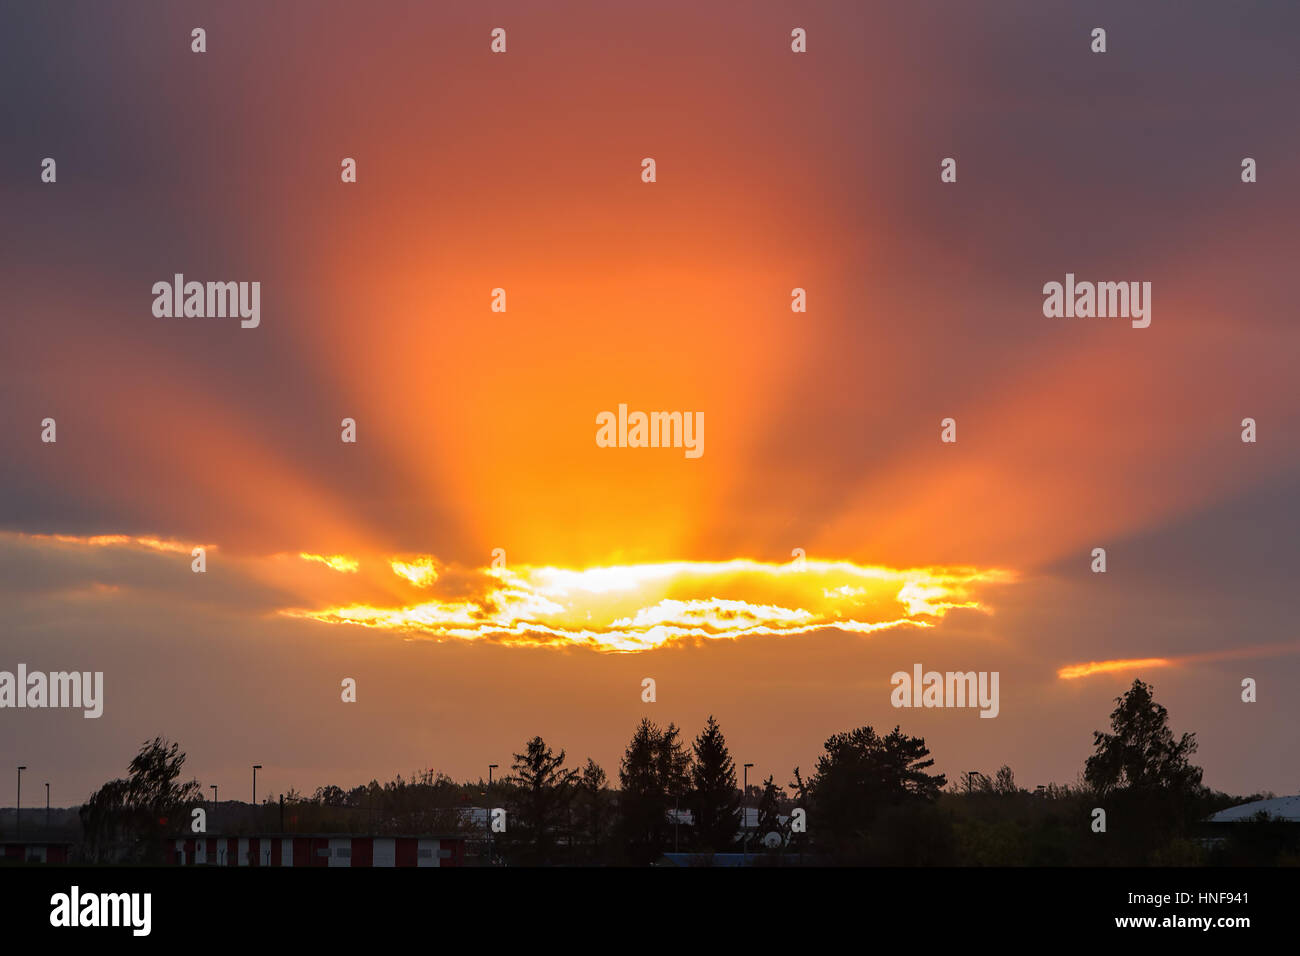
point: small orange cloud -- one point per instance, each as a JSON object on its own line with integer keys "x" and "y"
{"x": 338, "y": 562}
{"x": 1105, "y": 667}
{"x": 121, "y": 541}
{"x": 422, "y": 572}
{"x": 1073, "y": 671}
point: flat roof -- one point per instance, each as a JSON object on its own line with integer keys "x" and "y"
{"x": 318, "y": 836}
{"x": 1278, "y": 808}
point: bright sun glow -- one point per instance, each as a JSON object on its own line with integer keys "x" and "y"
{"x": 628, "y": 608}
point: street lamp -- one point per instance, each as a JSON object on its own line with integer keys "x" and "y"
{"x": 18, "y": 810}
{"x": 47, "y": 807}
{"x": 214, "y": 794}
{"x": 487, "y": 811}
{"x": 744, "y": 816}
{"x": 256, "y": 767}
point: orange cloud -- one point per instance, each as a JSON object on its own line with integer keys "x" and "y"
{"x": 338, "y": 562}
{"x": 422, "y": 572}
{"x": 121, "y": 541}
{"x": 1073, "y": 671}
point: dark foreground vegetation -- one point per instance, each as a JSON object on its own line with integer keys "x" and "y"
{"x": 869, "y": 800}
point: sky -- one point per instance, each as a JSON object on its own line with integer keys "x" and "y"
{"x": 475, "y": 561}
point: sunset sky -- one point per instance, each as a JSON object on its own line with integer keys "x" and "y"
{"x": 475, "y": 429}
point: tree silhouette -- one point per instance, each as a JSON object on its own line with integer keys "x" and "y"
{"x": 861, "y": 774}
{"x": 1005, "y": 782}
{"x": 127, "y": 818}
{"x": 330, "y": 796}
{"x": 769, "y": 807}
{"x": 1141, "y": 753}
{"x": 541, "y": 799}
{"x": 801, "y": 791}
{"x": 1151, "y": 790}
{"x": 714, "y": 799}
{"x": 653, "y": 770}
{"x": 593, "y": 799}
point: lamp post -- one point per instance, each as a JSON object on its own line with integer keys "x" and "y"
{"x": 256, "y": 767}
{"x": 18, "y": 810}
{"x": 47, "y": 808}
{"x": 488, "y": 810}
{"x": 744, "y": 817}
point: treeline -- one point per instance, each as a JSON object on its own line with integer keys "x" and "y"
{"x": 870, "y": 799}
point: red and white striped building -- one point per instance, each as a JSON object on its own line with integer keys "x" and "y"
{"x": 316, "y": 849}
{"x": 35, "y": 851}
